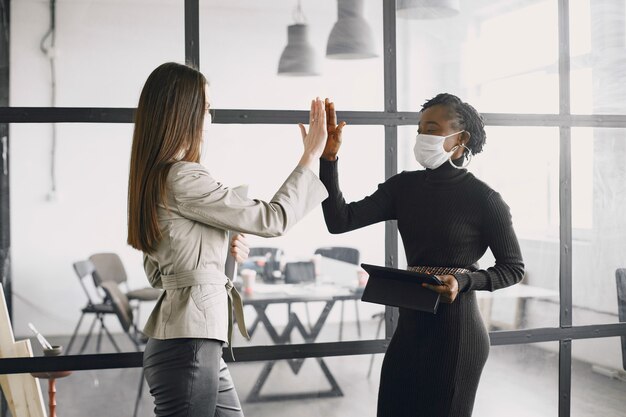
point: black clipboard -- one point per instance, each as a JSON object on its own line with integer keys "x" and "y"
{"x": 400, "y": 288}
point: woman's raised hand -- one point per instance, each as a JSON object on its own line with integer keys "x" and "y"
{"x": 334, "y": 132}
{"x": 315, "y": 140}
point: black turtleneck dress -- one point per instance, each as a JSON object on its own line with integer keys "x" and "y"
{"x": 447, "y": 218}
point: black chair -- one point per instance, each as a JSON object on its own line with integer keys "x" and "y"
{"x": 100, "y": 308}
{"x": 351, "y": 256}
{"x": 124, "y": 312}
{"x": 620, "y": 280}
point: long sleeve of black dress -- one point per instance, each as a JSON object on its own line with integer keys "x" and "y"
{"x": 483, "y": 213}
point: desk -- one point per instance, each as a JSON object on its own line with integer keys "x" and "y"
{"x": 521, "y": 293}
{"x": 266, "y": 294}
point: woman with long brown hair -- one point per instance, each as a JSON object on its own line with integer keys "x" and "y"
{"x": 179, "y": 217}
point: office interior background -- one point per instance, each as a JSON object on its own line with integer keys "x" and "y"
{"x": 548, "y": 76}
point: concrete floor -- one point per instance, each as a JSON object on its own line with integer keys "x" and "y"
{"x": 517, "y": 381}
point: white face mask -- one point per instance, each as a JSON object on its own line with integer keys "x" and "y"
{"x": 429, "y": 151}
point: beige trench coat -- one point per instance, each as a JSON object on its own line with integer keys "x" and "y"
{"x": 189, "y": 261}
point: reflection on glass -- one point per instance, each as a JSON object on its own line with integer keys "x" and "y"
{"x": 242, "y": 68}
{"x": 598, "y": 377}
{"x": 522, "y": 165}
{"x": 599, "y": 228}
{"x": 485, "y": 54}
{"x": 598, "y": 56}
{"x": 513, "y": 375}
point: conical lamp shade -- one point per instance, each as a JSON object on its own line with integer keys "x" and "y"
{"x": 427, "y": 9}
{"x": 298, "y": 58}
{"x": 352, "y": 36}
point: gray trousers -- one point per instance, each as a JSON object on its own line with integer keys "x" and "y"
{"x": 189, "y": 378}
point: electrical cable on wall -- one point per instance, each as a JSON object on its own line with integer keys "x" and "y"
{"x": 47, "y": 46}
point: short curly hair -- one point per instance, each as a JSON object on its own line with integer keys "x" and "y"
{"x": 464, "y": 117}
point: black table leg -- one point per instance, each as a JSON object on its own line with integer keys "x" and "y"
{"x": 295, "y": 364}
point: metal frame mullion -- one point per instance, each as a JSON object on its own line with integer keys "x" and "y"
{"x": 278, "y": 117}
{"x": 5, "y": 207}
{"x": 309, "y": 350}
{"x": 192, "y": 33}
{"x": 391, "y": 144}
{"x": 565, "y": 213}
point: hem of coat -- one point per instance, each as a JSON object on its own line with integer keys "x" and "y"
{"x": 187, "y": 336}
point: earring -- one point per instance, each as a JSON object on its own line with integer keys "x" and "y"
{"x": 468, "y": 155}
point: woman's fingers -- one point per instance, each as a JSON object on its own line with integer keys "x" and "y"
{"x": 341, "y": 125}
{"x": 327, "y": 110}
{"x": 441, "y": 289}
{"x": 312, "y": 113}
{"x": 322, "y": 114}
{"x": 239, "y": 248}
{"x": 318, "y": 115}
{"x": 448, "y": 291}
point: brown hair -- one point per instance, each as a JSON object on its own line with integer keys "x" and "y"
{"x": 168, "y": 128}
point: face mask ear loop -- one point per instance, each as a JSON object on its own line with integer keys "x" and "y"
{"x": 468, "y": 157}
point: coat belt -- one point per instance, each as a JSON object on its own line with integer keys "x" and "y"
{"x": 191, "y": 278}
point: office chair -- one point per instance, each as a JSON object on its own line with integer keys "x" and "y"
{"x": 124, "y": 312}
{"x": 620, "y": 280}
{"x": 109, "y": 267}
{"x": 100, "y": 308}
{"x": 351, "y": 256}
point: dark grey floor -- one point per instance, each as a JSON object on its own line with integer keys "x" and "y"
{"x": 517, "y": 381}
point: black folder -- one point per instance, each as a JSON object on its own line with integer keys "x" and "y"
{"x": 400, "y": 288}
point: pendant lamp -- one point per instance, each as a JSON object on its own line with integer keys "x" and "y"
{"x": 351, "y": 36}
{"x": 427, "y": 9}
{"x": 298, "y": 57}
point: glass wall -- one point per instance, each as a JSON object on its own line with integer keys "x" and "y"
{"x": 243, "y": 70}
{"x": 93, "y": 60}
{"x": 53, "y": 229}
{"x": 598, "y": 54}
{"x": 485, "y": 54}
{"x": 598, "y": 177}
{"x": 68, "y": 187}
{"x": 261, "y": 157}
{"x": 598, "y": 386}
{"x": 521, "y": 379}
